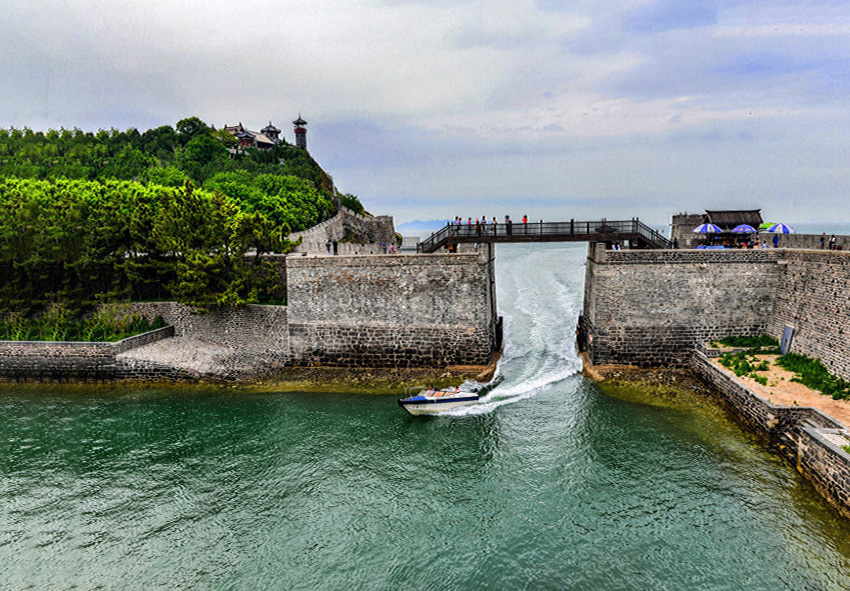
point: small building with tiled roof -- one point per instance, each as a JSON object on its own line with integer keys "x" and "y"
{"x": 681, "y": 231}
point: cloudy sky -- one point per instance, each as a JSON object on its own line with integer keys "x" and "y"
{"x": 434, "y": 108}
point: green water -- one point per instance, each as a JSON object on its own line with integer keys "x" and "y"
{"x": 549, "y": 484}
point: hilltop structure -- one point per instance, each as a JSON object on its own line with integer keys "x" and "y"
{"x": 268, "y": 137}
{"x": 300, "y": 132}
{"x": 265, "y": 139}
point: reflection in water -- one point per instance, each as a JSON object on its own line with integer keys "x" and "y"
{"x": 547, "y": 485}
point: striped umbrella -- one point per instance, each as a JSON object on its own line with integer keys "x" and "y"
{"x": 744, "y": 229}
{"x": 706, "y": 229}
{"x": 781, "y": 229}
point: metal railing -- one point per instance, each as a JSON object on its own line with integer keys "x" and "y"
{"x": 544, "y": 230}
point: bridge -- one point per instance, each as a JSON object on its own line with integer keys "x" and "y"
{"x": 630, "y": 234}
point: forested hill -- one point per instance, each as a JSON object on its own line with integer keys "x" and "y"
{"x": 170, "y": 213}
{"x": 169, "y": 156}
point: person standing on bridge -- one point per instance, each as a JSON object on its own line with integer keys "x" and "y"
{"x": 484, "y": 224}
{"x": 525, "y": 224}
{"x": 510, "y": 225}
{"x": 495, "y": 225}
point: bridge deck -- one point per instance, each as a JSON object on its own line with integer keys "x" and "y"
{"x": 638, "y": 234}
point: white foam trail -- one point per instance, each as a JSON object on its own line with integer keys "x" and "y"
{"x": 539, "y": 345}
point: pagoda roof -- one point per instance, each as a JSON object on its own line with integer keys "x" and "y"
{"x": 299, "y": 121}
{"x": 270, "y": 128}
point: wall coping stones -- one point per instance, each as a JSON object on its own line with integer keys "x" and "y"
{"x": 655, "y": 257}
{"x": 382, "y": 260}
{"x": 821, "y": 436}
{"x": 125, "y": 344}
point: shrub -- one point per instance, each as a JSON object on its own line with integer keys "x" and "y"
{"x": 812, "y": 373}
{"x": 59, "y": 324}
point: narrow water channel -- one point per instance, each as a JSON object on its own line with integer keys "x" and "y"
{"x": 549, "y": 484}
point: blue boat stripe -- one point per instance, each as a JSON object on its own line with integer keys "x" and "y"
{"x": 437, "y": 401}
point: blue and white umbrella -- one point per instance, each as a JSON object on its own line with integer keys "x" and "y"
{"x": 781, "y": 229}
{"x": 744, "y": 229}
{"x": 706, "y": 229}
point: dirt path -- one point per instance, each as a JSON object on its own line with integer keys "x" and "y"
{"x": 782, "y": 391}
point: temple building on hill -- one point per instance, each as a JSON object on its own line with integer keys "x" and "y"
{"x": 265, "y": 139}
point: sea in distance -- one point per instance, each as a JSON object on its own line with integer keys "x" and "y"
{"x": 548, "y": 484}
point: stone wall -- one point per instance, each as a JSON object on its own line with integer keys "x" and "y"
{"x": 393, "y": 310}
{"x": 804, "y": 435}
{"x": 372, "y": 230}
{"x": 806, "y": 241}
{"x": 813, "y": 297}
{"x": 256, "y": 334}
{"x": 52, "y": 360}
{"x": 651, "y": 307}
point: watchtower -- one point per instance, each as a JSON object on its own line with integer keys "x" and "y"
{"x": 300, "y": 132}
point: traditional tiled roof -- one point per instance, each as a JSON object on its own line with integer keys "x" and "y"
{"x": 728, "y": 219}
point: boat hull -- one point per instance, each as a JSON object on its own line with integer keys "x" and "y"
{"x": 426, "y": 405}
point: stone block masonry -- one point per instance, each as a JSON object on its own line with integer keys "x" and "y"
{"x": 377, "y": 311}
{"x": 652, "y": 307}
{"x": 813, "y": 297}
{"x": 392, "y": 311}
{"x": 43, "y": 360}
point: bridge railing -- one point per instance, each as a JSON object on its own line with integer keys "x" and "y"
{"x": 653, "y": 235}
{"x": 469, "y": 231}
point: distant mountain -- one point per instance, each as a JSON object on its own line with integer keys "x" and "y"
{"x": 420, "y": 228}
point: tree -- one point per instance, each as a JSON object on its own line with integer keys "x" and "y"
{"x": 189, "y": 128}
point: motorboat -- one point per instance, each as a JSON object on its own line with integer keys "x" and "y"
{"x": 431, "y": 401}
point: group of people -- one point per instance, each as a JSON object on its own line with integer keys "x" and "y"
{"x": 480, "y": 225}
{"x": 833, "y": 242}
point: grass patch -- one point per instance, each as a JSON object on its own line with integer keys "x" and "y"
{"x": 59, "y": 324}
{"x": 812, "y": 373}
{"x": 745, "y": 364}
{"x": 760, "y": 344}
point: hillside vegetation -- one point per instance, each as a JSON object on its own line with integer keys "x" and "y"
{"x": 168, "y": 213}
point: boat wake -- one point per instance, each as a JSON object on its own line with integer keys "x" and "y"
{"x": 540, "y": 304}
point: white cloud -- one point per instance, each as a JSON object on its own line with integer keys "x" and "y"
{"x": 590, "y": 101}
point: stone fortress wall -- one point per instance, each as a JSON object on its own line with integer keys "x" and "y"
{"x": 654, "y": 308}
{"x": 394, "y": 310}
{"x": 651, "y": 308}
{"x": 370, "y": 229}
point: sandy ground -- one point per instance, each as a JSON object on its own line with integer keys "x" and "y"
{"x": 780, "y": 390}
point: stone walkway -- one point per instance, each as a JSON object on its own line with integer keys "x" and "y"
{"x": 184, "y": 353}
